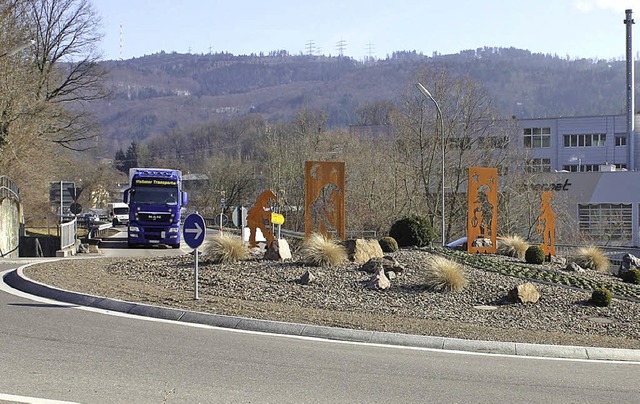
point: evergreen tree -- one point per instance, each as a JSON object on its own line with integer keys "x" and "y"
{"x": 132, "y": 156}
{"x": 120, "y": 161}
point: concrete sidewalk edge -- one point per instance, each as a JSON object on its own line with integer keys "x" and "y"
{"x": 17, "y": 280}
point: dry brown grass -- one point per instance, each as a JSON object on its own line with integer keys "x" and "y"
{"x": 320, "y": 251}
{"x": 443, "y": 275}
{"x": 513, "y": 246}
{"x": 592, "y": 257}
{"x": 226, "y": 249}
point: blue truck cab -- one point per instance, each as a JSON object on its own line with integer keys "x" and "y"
{"x": 155, "y": 198}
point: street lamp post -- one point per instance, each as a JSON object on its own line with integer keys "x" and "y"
{"x": 428, "y": 95}
{"x": 17, "y": 48}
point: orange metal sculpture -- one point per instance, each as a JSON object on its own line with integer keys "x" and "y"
{"x": 324, "y": 198}
{"x": 546, "y": 226}
{"x": 482, "y": 210}
{"x": 259, "y": 217}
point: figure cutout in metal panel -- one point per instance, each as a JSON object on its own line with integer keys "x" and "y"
{"x": 546, "y": 226}
{"x": 324, "y": 198}
{"x": 482, "y": 210}
{"x": 259, "y": 217}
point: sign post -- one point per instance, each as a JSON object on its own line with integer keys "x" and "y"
{"x": 194, "y": 231}
{"x": 277, "y": 218}
{"x": 223, "y": 203}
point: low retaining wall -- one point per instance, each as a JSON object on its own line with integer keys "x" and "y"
{"x": 40, "y": 246}
{"x": 9, "y": 227}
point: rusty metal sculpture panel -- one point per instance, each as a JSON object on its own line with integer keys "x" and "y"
{"x": 324, "y": 198}
{"x": 482, "y": 211}
{"x": 259, "y": 217}
{"x": 546, "y": 226}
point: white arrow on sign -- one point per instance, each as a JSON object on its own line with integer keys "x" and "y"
{"x": 197, "y": 231}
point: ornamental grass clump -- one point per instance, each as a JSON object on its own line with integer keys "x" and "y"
{"x": 227, "y": 249}
{"x": 318, "y": 250}
{"x": 513, "y": 246}
{"x": 593, "y": 258}
{"x": 443, "y": 275}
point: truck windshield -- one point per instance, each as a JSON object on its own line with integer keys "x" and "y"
{"x": 154, "y": 196}
{"x": 120, "y": 211}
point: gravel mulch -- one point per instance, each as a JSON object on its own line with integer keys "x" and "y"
{"x": 339, "y": 297}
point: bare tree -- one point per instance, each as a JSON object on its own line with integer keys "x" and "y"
{"x": 23, "y": 154}
{"x": 474, "y": 135}
{"x": 44, "y": 86}
{"x": 375, "y": 113}
{"x": 234, "y": 176}
{"x": 66, "y": 33}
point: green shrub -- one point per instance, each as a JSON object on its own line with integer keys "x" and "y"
{"x": 592, "y": 257}
{"x": 412, "y": 230}
{"x": 388, "y": 244}
{"x": 632, "y": 276}
{"x": 534, "y": 255}
{"x": 512, "y": 246}
{"x": 321, "y": 251}
{"x": 601, "y": 297}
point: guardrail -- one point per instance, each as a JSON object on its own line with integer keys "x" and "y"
{"x": 97, "y": 230}
{"x": 68, "y": 234}
{"x": 614, "y": 254}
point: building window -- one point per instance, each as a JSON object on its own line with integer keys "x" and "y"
{"x": 605, "y": 221}
{"x": 538, "y": 166}
{"x": 537, "y": 137}
{"x": 493, "y": 142}
{"x": 587, "y": 140}
{"x": 582, "y": 167}
{"x": 621, "y": 140}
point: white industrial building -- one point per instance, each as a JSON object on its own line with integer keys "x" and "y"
{"x": 594, "y": 160}
{"x": 594, "y": 163}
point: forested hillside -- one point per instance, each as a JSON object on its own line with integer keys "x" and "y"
{"x": 157, "y": 94}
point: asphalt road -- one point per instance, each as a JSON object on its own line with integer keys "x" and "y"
{"x": 116, "y": 246}
{"x": 57, "y": 352}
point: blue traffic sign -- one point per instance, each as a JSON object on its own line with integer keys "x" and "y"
{"x": 194, "y": 230}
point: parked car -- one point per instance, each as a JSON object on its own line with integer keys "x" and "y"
{"x": 89, "y": 216}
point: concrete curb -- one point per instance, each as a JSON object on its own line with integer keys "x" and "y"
{"x": 17, "y": 280}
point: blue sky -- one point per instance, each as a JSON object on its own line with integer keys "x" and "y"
{"x": 574, "y": 28}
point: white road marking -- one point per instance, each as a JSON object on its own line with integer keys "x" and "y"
{"x": 31, "y": 400}
{"x": 4, "y": 287}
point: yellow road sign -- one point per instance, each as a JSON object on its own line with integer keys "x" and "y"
{"x": 277, "y": 218}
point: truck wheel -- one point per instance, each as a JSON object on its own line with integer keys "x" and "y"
{"x": 175, "y": 245}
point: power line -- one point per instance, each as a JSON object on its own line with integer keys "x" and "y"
{"x": 341, "y": 46}
{"x": 370, "y": 47}
{"x": 121, "y": 41}
{"x": 310, "y": 47}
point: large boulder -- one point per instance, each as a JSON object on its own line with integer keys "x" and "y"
{"x": 573, "y": 267}
{"x": 362, "y": 250}
{"x": 278, "y": 250}
{"x": 389, "y": 265}
{"x": 628, "y": 261}
{"x": 307, "y": 278}
{"x": 525, "y": 293}
{"x": 379, "y": 281}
